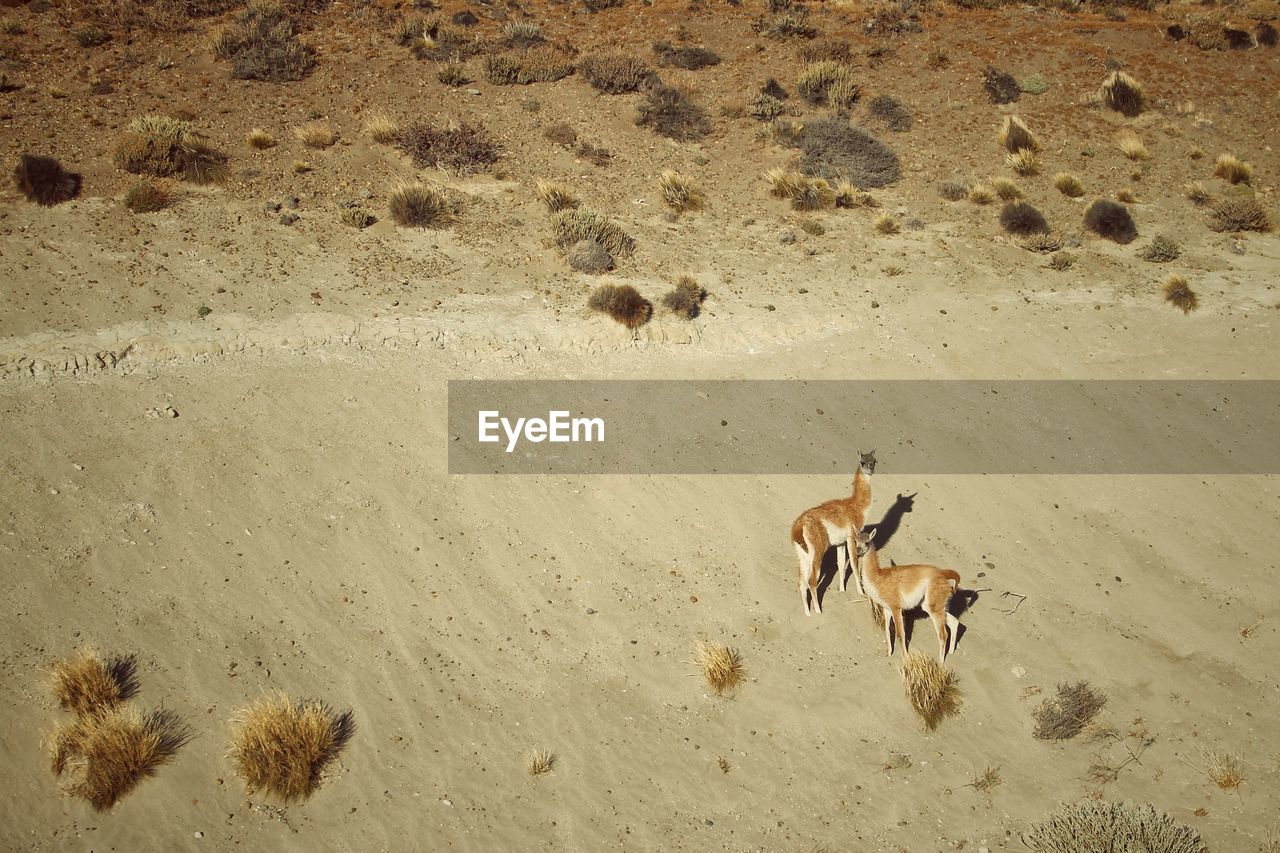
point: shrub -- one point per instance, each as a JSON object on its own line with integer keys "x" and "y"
{"x": 281, "y": 746}
{"x": 1111, "y": 220}
{"x": 1042, "y": 243}
{"x": 937, "y": 59}
{"x": 931, "y": 689}
{"x": 1161, "y": 249}
{"x": 1232, "y": 169}
{"x": 1123, "y": 94}
{"x": 572, "y": 226}
{"x": 263, "y": 44}
{"x": 594, "y": 153}
{"x": 456, "y": 145}
{"x": 522, "y": 34}
{"x": 355, "y": 216}
{"x": 1061, "y": 261}
{"x": 1066, "y": 715}
{"x": 1006, "y": 189}
{"x": 680, "y": 193}
{"x": 453, "y": 74}
{"x": 1239, "y": 214}
{"x": 86, "y": 683}
{"x": 979, "y": 194}
{"x": 588, "y": 256}
{"x": 92, "y": 36}
{"x": 833, "y": 149}
{"x": 849, "y": 196}
{"x": 540, "y": 763}
{"x": 803, "y": 192}
{"x": 1018, "y": 217}
{"x": 1196, "y": 193}
{"x": 162, "y": 146}
{"x": 672, "y": 113}
{"x": 836, "y": 50}
{"x": 420, "y": 206}
{"x": 555, "y": 197}
{"x": 689, "y": 58}
{"x": 538, "y": 65}
{"x": 793, "y": 23}
{"x": 1265, "y": 34}
{"x": 774, "y": 89}
{"x": 259, "y": 139}
{"x": 1034, "y": 84}
{"x": 439, "y": 42}
{"x": 766, "y": 107}
{"x": 1068, "y": 184}
{"x": 1180, "y": 295}
{"x": 1131, "y": 146}
{"x": 623, "y": 303}
{"x": 44, "y": 181}
{"x": 1025, "y": 162}
{"x": 1000, "y": 86}
{"x": 617, "y": 73}
{"x": 107, "y": 752}
{"x": 381, "y": 127}
{"x": 953, "y": 190}
{"x": 1015, "y": 136}
{"x": 144, "y": 196}
{"x": 721, "y": 666}
{"x": 686, "y": 299}
{"x": 316, "y": 134}
{"x": 887, "y": 224}
{"x": 561, "y": 134}
{"x": 464, "y": 18}
{"x": 594, "y": 6}
{"x": 1093, "y": 825}
{"x": 820, "y": 81}
{"x": 891, "y": 111}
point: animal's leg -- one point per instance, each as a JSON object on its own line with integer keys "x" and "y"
{"x": 940, "y": 624}
{"x": 803, "y": 557}
{"x": 888, "y": 630}
{"x": 842, "y": 558}
{"x": 902, "y": 634}
{"x": 953, "y": 628}
{"x": 815, "y": 571}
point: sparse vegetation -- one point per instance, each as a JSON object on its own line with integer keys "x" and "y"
{"x": 581, "y": 223}
{"x": 1239, "y": 214}
{"x": 849, "y": 196}
{"x": 263, "y": 44}
{"x": 804, "y": 192}
{"x": 1232, "y": 169}
{"x": 686, "y": 299}
{"x": 831, "y": 148}
{"x": 540, "y": 763}
{"x": 1000, "y": 86}
{"x": 1068, "y": 184}
{"x": 355, "y": 216}
{"x": 1112, "y": 220}
{"x": 1161, "y": 249}
{"x": 1006, "y": 189}
{"x": 979, "y": 194}
{"x": 1123, "y": 94}
{"x": 282, "y": 747}
{"x": 892, "y": 112}
{"x": 680, "y": 193}
{"x": 766, "y": 107}
{"x": 623, "y": 303}
{"x": 790, "y": 23}
{"x": 453, "y": 74}
{"x": 1024, "y": 162}
{"x": 1034, "y": 84}
{"x": 1178, "y": 292}
{"x": 829, "y": 82}
{"x": 44, "y": 181}
{"x": 617, "y": 73}
{"x": 953, "y": 190}
{"x": 259, "y": 139}
{"x": 1131, "y": 146}
{"x": 108, "y": 751}
{"x": 688, "y": 57}
{"x": 536, "y": 65}
{"x": 1018, "y": 217}
{"x": 1015, "y": 136}
{"x": 421, "y": 206}
{"x": 1093, "y": 825}
{"x": 457, "y": 145}
{"x": 1061, "y": 261}
{"x": 522, "y": 34}
{"x": 316, "y": 134}
{"x": 672, "y": 113}
{"x": 380, "y": 127}
{"x": 1196, "y": 193}
{"x": 887, "y": 224}
{"x": 721, "y": 666}
{"x": 931, "y": 689}
{"x": 1066, "y": 715}
{"x": 1042, "y": 243}
{"x": 986, "y": 781}
{"x": 162, "y": 146}
{"x": 92, "y": 36}
{"x": 86, "y": 683}
{"x": 147, "y": 196}
{"x": 555, "y": 197}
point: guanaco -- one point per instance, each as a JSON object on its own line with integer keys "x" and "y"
{"x": 832, "y": 523}
{"x": 900, "y": 588}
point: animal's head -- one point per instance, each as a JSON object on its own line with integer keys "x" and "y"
{"x": 867, "y": 462}
{"x": 864, "y": 540}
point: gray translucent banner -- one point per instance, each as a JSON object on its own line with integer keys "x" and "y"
{"x": 915, "y": 426}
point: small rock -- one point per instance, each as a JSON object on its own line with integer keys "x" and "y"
{"x": 748, "y": 222}
{"x": 706, "y": 821}
{"x": 473, "y": 91}
{"x": 770, "y": 308}
{"x": 199, "y": 834}
{"x": 366, "y": 194}
{"x": 589, "y": 256}
{"x": 292, "y": 202}
{"x": 170, "y": 412}
{"x": 288, "y": 217}
{"x": 1237, "y": 247}
{"x": 701, "y": 159}
{"x": 786, "y": 236}
{"x": 1019, "y": 671}
{"x": 272, "y": 207}
{"x": 875, "y": 304}
{"x": 591, "y": 611}
{"x": 803, "y": 290}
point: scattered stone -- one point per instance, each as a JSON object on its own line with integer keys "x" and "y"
{"x": 1237, "y": 247}
{"x": 166, "y": 412}
{"x": 786, "y": 236}
{"x": 271, "y": 207}
{"x": 701, "y": 159}
{"x": 288, "y": 217}
{"x": 473, "y": 91}
{"x": 292, "y": 202}
{"x": 589, "y": 256}
{"x": 591, "y": 611}
{"x": 1019, "y": 671}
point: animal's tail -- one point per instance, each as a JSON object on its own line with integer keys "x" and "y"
{"x": 952, "y": 576}
{"x": 797, "y": 533}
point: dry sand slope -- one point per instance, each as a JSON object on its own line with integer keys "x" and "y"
{"x": 295, "y": 528}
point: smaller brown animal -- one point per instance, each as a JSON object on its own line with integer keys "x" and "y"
{"x": 832, "y": 523}
{"x": 906, "y": 587}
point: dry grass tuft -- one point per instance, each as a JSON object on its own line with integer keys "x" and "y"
{"x": 1223, "y": 769}
{"x": 1131, "y": 146}
{"x": 147, "y": 196}
{"x": 1068, "y": 184}
{"x": 44, "y": 181}
{"x": 1066, "y": 715}
{"x": 86, "y": 683}
{"x": 1112, "y": 220}
{"x": 986, "y": 781}
{"x": 617, "y": 73}
{"x": 686, "y": 299}
{"x": 1061, "y": 261}
{"x": 623, "y": 303}
{"x": 262, "y": 44}
{"x": 541, "y": 762}
{"x": 1239, "y": 214}
{"x": 829, "y": 82}
{"x": 1179, "y": 294}
{"x": 580, "y": 223}
{"x": 1015, "y": 136}
{"x": 672, "y": 112}
{"x": 1043, "y": 243}
{"x": 1232, "y": 169}
{"x": 1006, "y": 189}
{"x": 259, "y": 139}
{"x": 281, "y": 746}
{"x": 886, "y": 224}
{"x": 1196, "y": 193}
{"x": 380, "y": 127}
{"x": 805, "y": 193}
{"x": 1123, "y": 94}
{"x": 462, "y": 146}
{"x": 1161, "y": 249}
{"x": 316, "y": 134}
{"x": 931, "y": 688}
{"x": 108, "y": 751}
{"x": 555, "y": 197}
{"x": 537, "y": 65}
{"x": 421, "y": 206}
{"x": 979, "y": 194}
{"x": 849, "y": 196}
{"x": 1126, "y": 196}
{"x": 722, "y": 667}
{"x": 953, "y": 190}
{"x": 1025, "y": 162}
{"x": 1091, "y": 825}
{"x": 680, "y": 193}
{"x": 164, "y": 146}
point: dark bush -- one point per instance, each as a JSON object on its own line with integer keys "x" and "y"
{"x": 1265, "y": 34}
{"x": 1112, "y": 220}
{"x": 891, "y": 111}
{"x": 465, "y": 18}
{"x": 623, "y": 303}
{"x": 1239, "y": 214}
{"x": 145, "y": 196}
{"x": 672, "y": 113}
{"x": 263, "y": 45}
{"x": 617, "y": 73}
{"x": 44, "y": 181}
{"x": 1000, "y": 86}
{"x": 836, "y": 50}
{"x": 774, "y": 89}
{"x": 689, "y": 58}
{"x": 458, "y": 145}
{"x": 1018, "y": 217}
{"x": 835, "y": 150}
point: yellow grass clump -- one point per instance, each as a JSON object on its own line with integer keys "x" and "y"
{"x": 1196, "y": 193}
{"x": 1131, "y": 146}
{"x": 1223, "y": 769}
{"x": 281, "y": 746}
{"x": 1232, "y": 169}
{"x": 580, "y": 223}
{"x": 316, "y": 134}
{"x": 722, "y": 667}
{"x": 1123, "y": 94}
{"x": 86, "y": 684}
{"x": 805, "y": 193}
{"x": 541, "y": 762}
{"x": 555, "y": 197}
{"x": 1068, "y": 184}
{"x": 1006, "y": 189}
{"x": 162, "y": 146}
{"x": 1015, "y": 136}
{"x": 380, "y": 127}
{"x": 1024, "y": 162}
{"x": 421, "y": 206}
{"x": 259, "y": 139}
{"x": 109, "y": 751}
{"x": 1179, "y": 294}
{"x": 931, "y": 689}
{"x": 886, "y": 224}
{"x": 680, "y": 193}
{"x": 978, "y": 194}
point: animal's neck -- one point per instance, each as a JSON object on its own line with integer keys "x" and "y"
{"x": 871, "y": 570}
{"x": 861, "y": 483}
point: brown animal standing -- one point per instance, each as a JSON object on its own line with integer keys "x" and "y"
{"x": 900, "y": 588}
{"x": 832, "y": 523}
